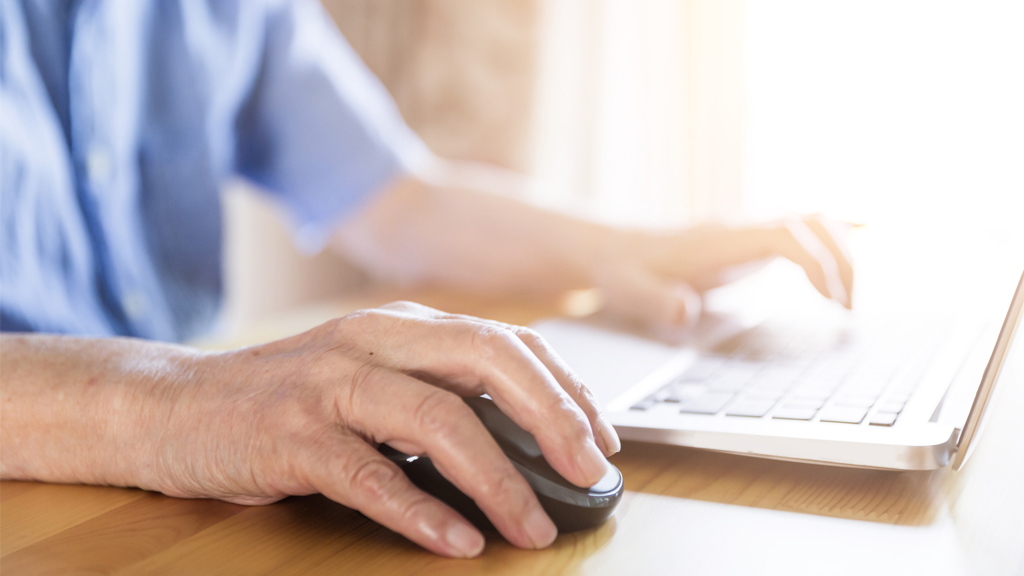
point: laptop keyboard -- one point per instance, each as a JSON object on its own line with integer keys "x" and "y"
{"x": 786, "y": 372}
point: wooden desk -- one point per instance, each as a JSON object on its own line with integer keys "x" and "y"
{"x": 685, "y": 512}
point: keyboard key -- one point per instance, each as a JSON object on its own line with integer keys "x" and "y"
{"x": 781, "y": 375}
{"x": 866, "y": 388}
{"x": 825, "y": 380}
{"x": 751, "y": 407}
{"x": 883, "y": 419}
{"x": 891, "y": 406}
{"x": 844, "y": 414}
{"x": 655, "y": 398}
{"x": 729, "y": 386}
{"x": 856, "y": 401}
{"x": 729, "y": 378}
{"x": 804, "y": 404}
{"x": 899, "y": 395}
{"x": 644, "y": 404}
{"x": 684, "y": 392}
{"x": 812, "y": 396}
{"x": 707, "y": 403}
{"x": 794, "y": 413}
{"x": 703, "y": 369}
{"x": 761, "y": 393}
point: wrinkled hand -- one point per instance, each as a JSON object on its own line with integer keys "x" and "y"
{"x": 305, "y": 414}
{"x": 657, "y": 279}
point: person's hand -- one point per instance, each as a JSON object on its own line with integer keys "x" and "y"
{"x": 305, "y": 415}
{"x": 656, "y": 279}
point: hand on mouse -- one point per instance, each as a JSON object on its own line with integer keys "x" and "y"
{"x": 305, "y": 414}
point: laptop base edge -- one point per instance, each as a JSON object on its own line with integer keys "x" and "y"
{"x": 933, "y": 449}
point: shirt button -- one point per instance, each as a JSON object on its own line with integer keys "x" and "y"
{"x": 134, "y": 304}
{"x": 98, "y": 165}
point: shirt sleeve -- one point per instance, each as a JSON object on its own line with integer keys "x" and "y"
{"x": 319, "y": 130}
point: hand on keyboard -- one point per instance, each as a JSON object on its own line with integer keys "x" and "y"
{"x": 656, "y": 279}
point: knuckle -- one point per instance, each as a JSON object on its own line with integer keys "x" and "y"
{"x": 363, "y": 377}
{"x": 367, "y": 318}
{"x": 500, "y": 486}
{"x": 417, "y": 509}
{"x": 353, "y": 317}
{"x": 531, "y": 337}
{"x": 564, "y": 409}
{"x": 374, "y": 477}
{"x": 402, "y": 306}
{"x": 580, "y": 390}
{"x": 581, "y": 432}
{"x": 332, "y": 330}
{"x": 489, "y": 341}
{"x": 354, "y": 323}
{"x": 440, "y": 412}
{"x": 576, "y": 386}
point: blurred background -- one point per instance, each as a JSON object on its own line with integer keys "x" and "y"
{"x": 904, "y": 115}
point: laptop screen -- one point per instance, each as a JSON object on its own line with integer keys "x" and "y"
{"x": 976, "y": 418}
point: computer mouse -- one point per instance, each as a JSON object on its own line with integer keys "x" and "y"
{"x": 570, "y": 507}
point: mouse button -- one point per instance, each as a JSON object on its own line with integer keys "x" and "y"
{"x": 522, "y": 449}
{"x": 558, "y": 489}
{"x": 538, "y": 465}
{"x": 610, "y": 483}
{"x": 553, "y": 487}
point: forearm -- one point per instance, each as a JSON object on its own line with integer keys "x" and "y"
{"x": 305, "y": 414}
{"x": 454, "y": 232}
{"x": 79, "y": 410}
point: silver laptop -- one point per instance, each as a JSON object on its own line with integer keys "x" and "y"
{"x": 897, "y": 393}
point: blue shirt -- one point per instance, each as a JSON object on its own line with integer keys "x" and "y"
{"x": 121, "y": 119}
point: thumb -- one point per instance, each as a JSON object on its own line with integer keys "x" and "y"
{"x": 635, "y": 294}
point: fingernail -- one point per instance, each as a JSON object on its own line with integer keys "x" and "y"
{"x": 466, "y": 541}
{"x": 609, "y": 438}
{"x": 539, "y": 528}
{"x": 592, "y": 463}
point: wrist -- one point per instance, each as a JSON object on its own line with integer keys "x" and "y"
{"x": 157, "y": 419}
{"x": 81, "y": 410}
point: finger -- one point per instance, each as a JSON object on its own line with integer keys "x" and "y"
{"x": 389, "y": 406}
{"x": 796, "y": 242}
{"x": 635, "y": 293}
{"x": 349, "y": 471}
{"x": 833, "y": 236}
{"x": 472, "y": 359}
{"x": 604, "y": 433}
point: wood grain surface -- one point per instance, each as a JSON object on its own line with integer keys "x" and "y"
{"x": 686, "y": 511}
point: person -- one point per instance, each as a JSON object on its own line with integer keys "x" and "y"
{"x": 121, "y": 119}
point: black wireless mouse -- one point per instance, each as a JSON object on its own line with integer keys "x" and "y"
{"x": 570, "y": 507}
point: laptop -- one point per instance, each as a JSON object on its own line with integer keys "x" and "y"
{"x": 898, "y": 393}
